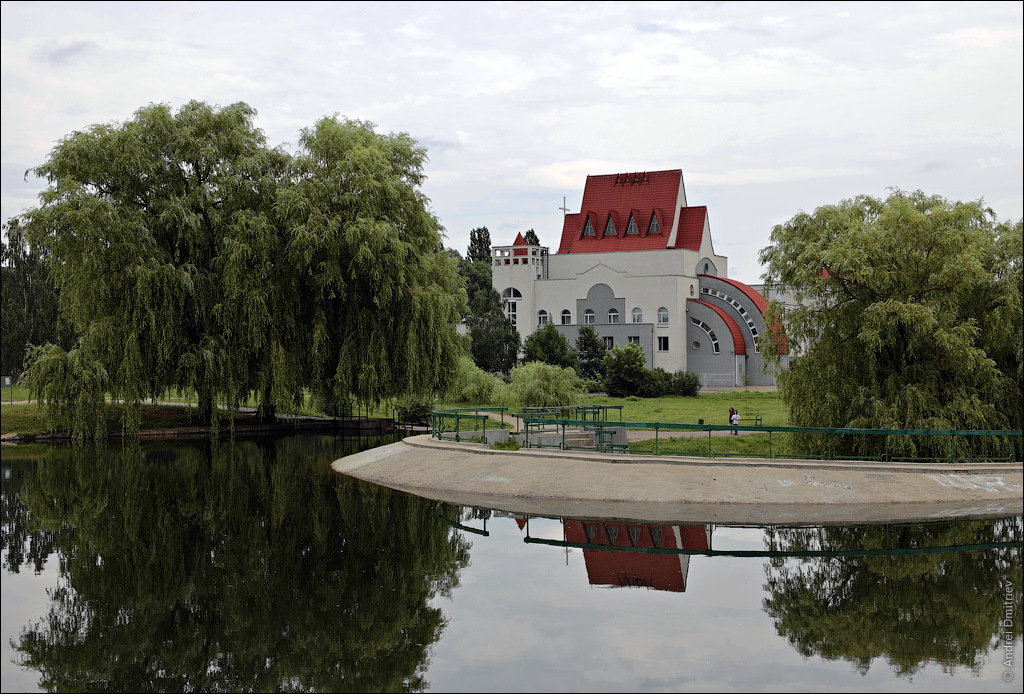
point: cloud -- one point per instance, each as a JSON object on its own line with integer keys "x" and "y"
{"x": 72, "y": 52}
{"x": 740, "y": 177}
{"x": 980, "y": 37}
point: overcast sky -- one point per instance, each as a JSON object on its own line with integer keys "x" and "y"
{"x": 768, "y": 108}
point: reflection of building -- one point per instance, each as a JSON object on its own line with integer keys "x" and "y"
{"x": 637, "y": 264}
{"x": 636, "y": 568}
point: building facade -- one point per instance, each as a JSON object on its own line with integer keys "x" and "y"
{"x": 638, "y": 264}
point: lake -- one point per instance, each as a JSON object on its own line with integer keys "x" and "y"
{"x": 187, "y": 566}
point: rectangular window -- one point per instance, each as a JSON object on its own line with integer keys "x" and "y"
{"x": 609, "y": 342}
{"x": 662, "y": 343}
{"x": 634, "y": 339}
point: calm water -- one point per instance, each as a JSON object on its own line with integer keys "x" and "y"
{"x": 252, "y": 566}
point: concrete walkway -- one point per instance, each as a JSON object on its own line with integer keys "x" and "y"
{"x": 688, "y": 490}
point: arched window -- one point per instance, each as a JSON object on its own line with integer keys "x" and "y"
{"x": 588, "y": 317}
{"x": 509, "y": 299}
{"x": 542, "y": 318}
{"x": 613, "y": 315}
{"x": 662, "y": 316}
{"x": 638, "y": 316}
{"x": 566, "y": 317}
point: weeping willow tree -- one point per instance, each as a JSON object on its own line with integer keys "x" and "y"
{"x": 381, "y": 297}
{"x": 190, "y": 255}
{"x": 909, "y": 318}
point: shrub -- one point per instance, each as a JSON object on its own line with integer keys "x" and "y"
{"x": 472, "y": 384}
{"x": 685, "y": 383}
{"x": 625, "y": 371}
{"x": 414, "y": 410}
{"x": 541, "y": 385}
{"x": 332, "y": 406}
{"x": 656, "y": 384}
{"x": 510, "y": 445}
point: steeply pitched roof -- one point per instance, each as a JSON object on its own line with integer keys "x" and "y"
{"x": 643, "y": 194}
{"x": 691, "y": 227}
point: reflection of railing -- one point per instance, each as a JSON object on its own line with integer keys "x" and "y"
{"x": 690, "y": 547}
{"x": 778, "y": 553}
{"x": 464, "y": 424}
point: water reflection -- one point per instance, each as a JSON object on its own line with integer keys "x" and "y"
{"x": 895, "y": 601}
{"x": 252, "y": 566}
{"x": 945, "y": 593}
{"x": 242, "y": 567}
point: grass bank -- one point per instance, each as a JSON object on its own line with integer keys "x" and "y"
{"x": 24, "y": 419}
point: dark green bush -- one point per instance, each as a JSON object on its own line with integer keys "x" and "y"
{"x": 684, "y": 383}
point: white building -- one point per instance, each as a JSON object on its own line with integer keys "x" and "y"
{"x": 638, "y": 264}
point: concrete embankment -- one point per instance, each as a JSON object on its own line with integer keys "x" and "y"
{"x": 689, "y": 490}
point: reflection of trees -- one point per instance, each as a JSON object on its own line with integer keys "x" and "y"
{"x": 944, "y": 607}
{"x": 251, "y": 567}
{"x": 23, "y": 546}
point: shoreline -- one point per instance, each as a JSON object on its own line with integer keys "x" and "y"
{"x": 689, "y": 489}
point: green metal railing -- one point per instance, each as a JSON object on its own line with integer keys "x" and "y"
{"x": 464, "y": 424}
{"x": 539, "y": 429}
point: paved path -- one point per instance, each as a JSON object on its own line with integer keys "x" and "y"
{"x": 689, "y": 489}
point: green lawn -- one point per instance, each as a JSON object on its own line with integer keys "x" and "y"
{"x": 713, "y": 408}
{"x": 746, "y": 446}
{"x": 24, "y": 419}
{"x": 14, "y": 394}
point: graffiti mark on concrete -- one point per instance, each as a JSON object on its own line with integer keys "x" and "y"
{"x": 994, "y": 484}
{"x": 814, "y": 481}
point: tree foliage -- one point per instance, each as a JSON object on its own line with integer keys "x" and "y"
{"x": 379, "y": 298}
{"x": 190, "y": 255}
{"x": 28, "y": 300}
{"x": 549, "y": 346}
{"x": 494, "y": 340}
{"x": 477, "y": 276}
{"x": 590, "y": 351}
{"x": 537, "y": 384}
{"x": 472, "y": 384}
{"x": 245, "y": 566}
{"x": 910, "y": 610}
{"x": 479, "y": 250}
{"x": 531, "y": 238}
{"x": 910, "y": 317}
{"x": 625, "y": 371}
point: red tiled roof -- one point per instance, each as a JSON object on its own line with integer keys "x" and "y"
{"x": 738, "y": 345}
{"x": 691, "y": 227}
{"x": 520, "y": 241}
{"x": 618, "y": 195}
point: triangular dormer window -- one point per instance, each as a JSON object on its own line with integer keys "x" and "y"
{"x": 654, "y": 228}
{"x": 589, "y": 229}
{"x": 631, "y": 229}
{"x": 609, "y": 228}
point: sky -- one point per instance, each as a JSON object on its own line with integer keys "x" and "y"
{"x": 769, "y": 109}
